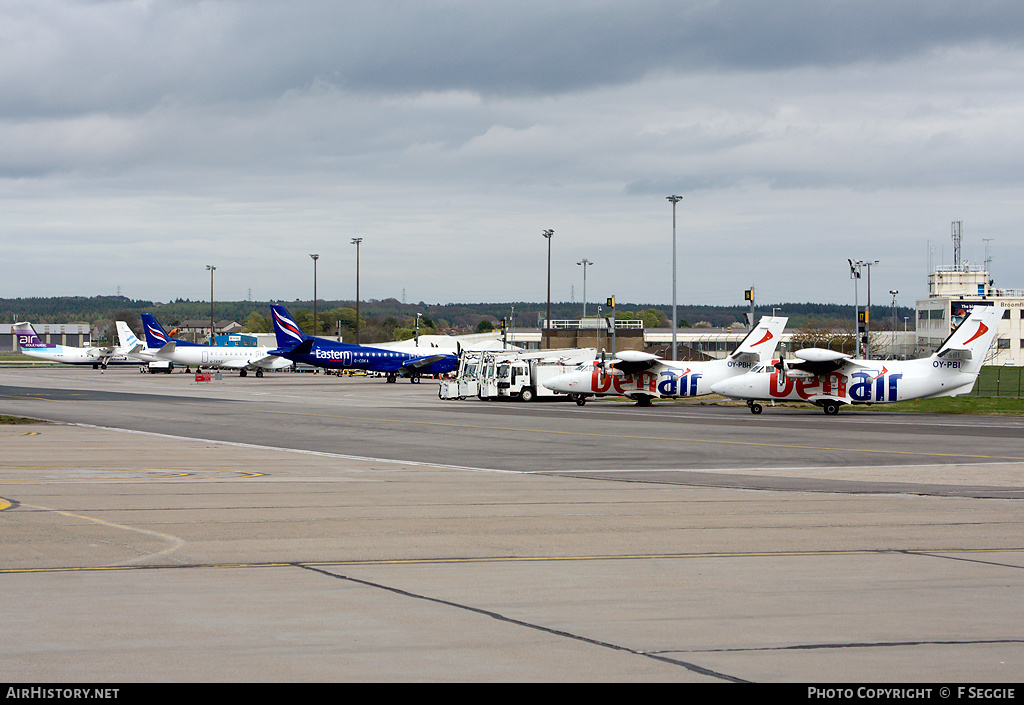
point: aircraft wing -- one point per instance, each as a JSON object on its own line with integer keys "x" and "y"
{"x": 631, "y": 361}
{"x": 419, "y": 363}
{"x": 815, "y": 361}
{"x": 269, "y": 361}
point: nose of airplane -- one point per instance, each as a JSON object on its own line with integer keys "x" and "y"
{"x": 732, "y": 387}
{"x": 562, "y": 383}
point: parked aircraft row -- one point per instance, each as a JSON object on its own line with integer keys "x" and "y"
{"x": 391, "y": 359}
{"x": 643, "y": 376}
{"x": 825, "y": 378}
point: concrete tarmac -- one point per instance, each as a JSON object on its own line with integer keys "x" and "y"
{"x": 311, "y": 528}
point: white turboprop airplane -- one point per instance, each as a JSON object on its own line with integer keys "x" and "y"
{"x": 136, "y": 349}
{"x": 184, "y": 353}
{"x": 31, "y": 345}
{"x": 643, "y": 376}
{"x": 830, "y": 379}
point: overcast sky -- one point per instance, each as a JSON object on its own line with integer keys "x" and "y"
{"x": 141, "y": 140}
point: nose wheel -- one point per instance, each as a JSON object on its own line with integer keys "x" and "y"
{"x": 754, "y": 407}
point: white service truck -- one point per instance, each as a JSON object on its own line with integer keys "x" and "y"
{"x": 523, "y": 377}
{"x": 511, "y": 374}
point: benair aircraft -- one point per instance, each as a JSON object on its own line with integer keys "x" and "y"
{"x": 30, "y": 344}
{"x": 185, "y": 353}
{"x": 643, "y": 376}
{"x": 295, "y": 345}
{"x": 830, "y": 379}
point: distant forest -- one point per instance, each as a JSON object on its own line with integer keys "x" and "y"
{"x": 390, "y": 319}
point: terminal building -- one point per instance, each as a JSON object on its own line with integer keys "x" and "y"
{"x": 953, "y": 290}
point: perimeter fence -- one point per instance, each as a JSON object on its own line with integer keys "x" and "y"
{"x": 1007, "y": 382}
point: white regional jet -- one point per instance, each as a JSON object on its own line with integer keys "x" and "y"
{"x": 31, "y": 345}
{"x": 829, "y": 379}
{"x": 643, "y": 376}
{"x": 184, "y": 353}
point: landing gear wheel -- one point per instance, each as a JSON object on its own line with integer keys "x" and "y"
{"x": 831, "y": 409}
{"x": 415, "y": 379}
{"x": 391, "y": 379}
{"x": 581, "y": 400}
{"x": 259, "y": 373}
{"x": 756, "y": 408}
{"x": 243, "y": 373}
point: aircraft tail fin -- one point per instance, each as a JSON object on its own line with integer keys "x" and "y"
{"x": 156, "y": 337}
{"x": 27, "y": 338}
{"x": 126, "y": 338}
{"x": 971, "y": 340}
{"x": 288, "y": 332}
{"x": 763, "y": 339}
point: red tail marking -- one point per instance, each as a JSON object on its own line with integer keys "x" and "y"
{"x": 982, "y": 330}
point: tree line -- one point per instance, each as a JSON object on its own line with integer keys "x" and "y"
{"x": 390, "y": 319}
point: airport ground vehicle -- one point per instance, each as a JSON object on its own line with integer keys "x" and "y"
{"x": 511, "y": 374}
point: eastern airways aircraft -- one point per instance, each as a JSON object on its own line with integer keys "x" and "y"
{"x": 185, "y": 353}
{"x": 31, "y": 345}
{"x": 830, "y": 379}
{"x": 295, "y": 345}
{"x": 643, "y": 376}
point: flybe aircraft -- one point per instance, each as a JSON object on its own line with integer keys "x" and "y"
{"x": 643, "y": 376}
{"x": 830, "y": 379}
{"x": 185, "y": 353}
{"x": 295, "y": 345}
{"x": 31, "y": 345}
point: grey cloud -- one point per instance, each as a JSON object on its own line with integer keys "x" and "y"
{"x": 68, "y": 56}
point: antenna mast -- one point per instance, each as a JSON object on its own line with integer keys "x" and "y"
{"x": 957, "y": 234}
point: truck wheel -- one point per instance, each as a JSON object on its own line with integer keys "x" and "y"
{"x": 527, "y": 394}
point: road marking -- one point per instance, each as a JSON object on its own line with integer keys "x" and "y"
{"x": 934, "y": 552}
{"x": 175, "y": 542}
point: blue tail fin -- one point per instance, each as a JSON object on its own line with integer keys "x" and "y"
{"x": 288, "y": 332}
{"x": 155, "y": 335}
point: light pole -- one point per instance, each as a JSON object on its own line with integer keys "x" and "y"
{"x": 867, "y": 315}
{"x": 547, "y": 323}
{"x": 212, "y": 269}
{"x": 585, "y": 262}
{"x": 893, "y": 292}
{"x": 675, "y": 320}
{"x": 316, "y": 330}
{"x": 855, "y": 276}
{"x": 356, "y": 241}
